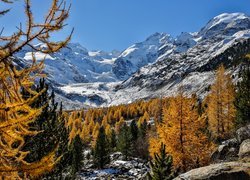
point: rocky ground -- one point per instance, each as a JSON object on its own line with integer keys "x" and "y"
{"x": 231, "y": 160}
{"x": 118, "y": 168}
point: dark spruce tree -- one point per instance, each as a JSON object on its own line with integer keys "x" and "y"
{"x": 101, "y": 150}
{"x": 53, "y": 133}
{"x": 134, "y": 130}
{"x": 142, "y": 144}
{"x": 76, "y": 152}
{"x": 162, "y": 166}
{"x": 124, "y": 143}
{"x": 143, "y": 129}
{"x": 47, "y": 124}
{"x": 242, "y": 102}
{"x": 113, "y": 141}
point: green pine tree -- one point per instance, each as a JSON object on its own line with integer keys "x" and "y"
{"x": 101, "y": 150}
{"x": 63, "y": 151}
{"x": 124, "y": 141}
{"x": 113, "y": 140}
{"x": 53, "y": 133}
{"x": 77, "y": 156}
{"x": 47, "y": 124}
{"x": 134, "y": 130}
{"x": 143, "y": 129}
{"x": 142, "y": 144}
{"x": 242, "y": 102}
{"x": 162, "y": 166}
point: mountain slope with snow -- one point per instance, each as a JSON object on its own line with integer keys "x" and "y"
{"x": 157, "y": 66}
{"x": 75, "y": 64}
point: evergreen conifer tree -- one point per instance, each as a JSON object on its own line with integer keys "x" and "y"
{"x": 124, "y": 141}
{"x": 53, "y": 133}
{"x": 101, "y": 149}
{"x": 77, "y": 156}
{"x": 242, "y": 101}
{"x": 134, "y": 130}
{"x": 143, "y": 129}
{"x": 113, "y": 140}
{"x": 46, "y": 123}
{"x": 162, "y": 166}
{"x": 142, "y": 143}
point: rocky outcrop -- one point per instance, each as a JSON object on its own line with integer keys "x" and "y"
{"x": 243, "y": 133}
{"x": 236, "y": 150}
{"x": 244, "y": 149}
{"x": 230, "y": 150}
{"x": 227, "y": 151}
{"x": 118, "y": 168}
{"x": 227, "y": 171}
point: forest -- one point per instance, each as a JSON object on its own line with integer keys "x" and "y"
{"x": 39, "y": 139}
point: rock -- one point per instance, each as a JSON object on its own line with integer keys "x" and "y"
{"x": 116, "y": 156}
{"x": 134, "y": 168}
{"x": 243, "y": 133}
{"x": 228, "y": 151}
{"x": 244, "y": 149}
{"x": 230, "y": 142}
{"x": 228, "y": 171}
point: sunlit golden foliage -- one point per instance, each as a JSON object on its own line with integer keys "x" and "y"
{"x": 221, "y": 110}
{"x": 145, "y": 117}
{"x": 119, "y": 124}
{"x": 181, "y": 132}
{"x": 95, "y": 134}
{"x": 75, "y": 125}
{"x": 15, "y": 111}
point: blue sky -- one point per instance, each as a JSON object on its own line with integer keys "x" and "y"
{"x": 117, "y": 24}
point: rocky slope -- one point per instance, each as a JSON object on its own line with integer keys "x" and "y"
{"x": 231, "y": 160}
{"x": 157, "y": 66}
{"x": 118, "y": 168}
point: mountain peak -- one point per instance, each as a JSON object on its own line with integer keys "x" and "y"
{"x": 225, "y": 24}
{"x": 227, "y": 18}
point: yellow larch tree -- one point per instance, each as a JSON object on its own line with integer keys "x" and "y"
{"x": 119, "y": 124}
{"x": 145, "y": 117}
{"x": 91, "y": 126}
{"x": 105, "y": 121}
{"x": 95, "y": 133}
{"x": 108, "y": 131}
{"x": 117, "y": 114}
{"x": 75, "y": 124}
{"x": 221, "y": 110}
{"x": 85, "y": 133}
{"x": 15, "y": 111}
{"x": 180, "y": 131}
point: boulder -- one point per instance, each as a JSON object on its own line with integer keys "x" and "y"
{"x": 227, "y": 170}
{"x": 228, "y": 151}
{"x": 244, "y": 149}
{"x": 116, "y": 156}
{"x": 243, "y": 133}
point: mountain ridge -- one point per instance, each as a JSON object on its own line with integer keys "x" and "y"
{"x": 154, "y": 67}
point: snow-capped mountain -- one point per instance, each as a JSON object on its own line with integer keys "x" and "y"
{"x": 75, "y": 64}
{"x": 139, "y": 55}
{"x": 154, "y": 67}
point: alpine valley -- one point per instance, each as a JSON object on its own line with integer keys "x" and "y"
{"x": 155, "y": 67}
